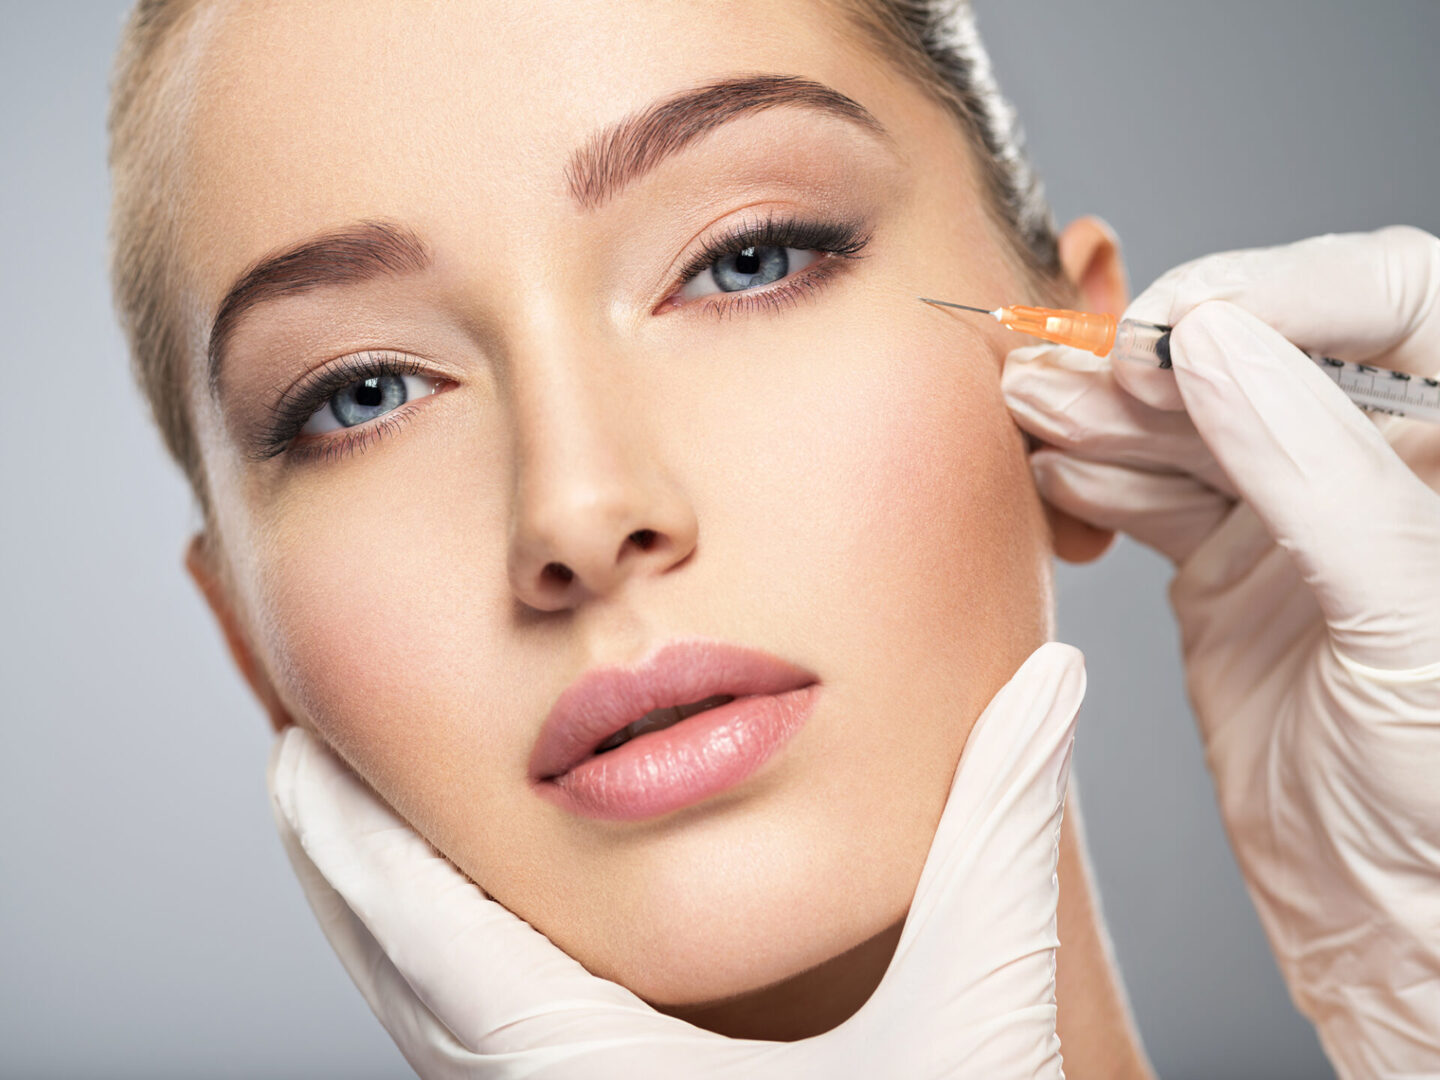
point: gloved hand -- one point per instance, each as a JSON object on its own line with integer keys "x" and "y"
{"x": 467, "y": 989}
{"x": 1307, "y": 548}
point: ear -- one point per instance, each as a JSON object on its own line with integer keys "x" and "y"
{"x": 1090, "y": 259}
{"x": 202, "y": 563}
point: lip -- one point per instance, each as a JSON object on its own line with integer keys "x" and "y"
{"x": 685, "y": 763}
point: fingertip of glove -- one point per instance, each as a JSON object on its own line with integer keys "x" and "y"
{"x": 1065, "y": 676}
{"x": 1021, "y": 368}
{"x": 1027, "y": 354}
{"x": 1058, "y": 659}
{"x": 1015, "y": 765}
{"x": 1031, "y": 358}
{"x": 1047, "y": 688}
{"x": 1050, "y": 467}
{"x": 1064, "y": 669}
{"x": 1152, "y": 385}
{"x": 285, "y": 757}
{"x": 1232, "y": 365}
{"x": 1216, "y": 332}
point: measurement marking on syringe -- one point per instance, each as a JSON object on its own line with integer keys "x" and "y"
{"x": 1369, "y": 387}
{"x": 1377, "y": 388}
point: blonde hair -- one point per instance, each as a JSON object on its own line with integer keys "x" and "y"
{"x": 933, "y": 41}
{"x": 143, "y": 225}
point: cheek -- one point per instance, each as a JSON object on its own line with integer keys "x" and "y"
{"x": 924, "y": 546}
{"x": 936, "y": 544}
{"x": 905, "y": 499}
{"x": 385, "y": 630}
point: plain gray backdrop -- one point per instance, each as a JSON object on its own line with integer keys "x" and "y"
{"x": 150, "y": 923}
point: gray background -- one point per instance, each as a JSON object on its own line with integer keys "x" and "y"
{"x": 149, "y": 921}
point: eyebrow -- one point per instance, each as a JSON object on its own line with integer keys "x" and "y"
{"x": 347, "y": 256}
{"x": 625, "y": 151}
{"x": 609, "y": 160}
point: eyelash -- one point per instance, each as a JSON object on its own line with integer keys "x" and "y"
{"x": 836, "y": 241}
{"x": 298, "y": 404}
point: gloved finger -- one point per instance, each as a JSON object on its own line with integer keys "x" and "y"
{"x": 1071, "y": 400}
{"x": 1361, "y": 528}
{"x": 976, "y": 952}
{"x": 494, "y": 981}
{"x": 1372, "y": 297}
{"x": 1169, "y": 513}
{"x": 411, "y": 1025}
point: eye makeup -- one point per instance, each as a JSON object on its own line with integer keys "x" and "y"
{"x": 313, "y": 391}
{"x": 837, "y": 244}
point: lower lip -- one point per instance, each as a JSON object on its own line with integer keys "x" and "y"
{"x": 685, "y": 763}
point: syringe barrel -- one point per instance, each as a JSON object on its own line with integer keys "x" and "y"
{"x": 1142, "y": 341}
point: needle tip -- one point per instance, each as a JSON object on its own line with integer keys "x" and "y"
{"x": 962, "y": 307}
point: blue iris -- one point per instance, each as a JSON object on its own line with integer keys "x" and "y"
{"x": 367, "y": 399}
{"x": 750, "y": 267}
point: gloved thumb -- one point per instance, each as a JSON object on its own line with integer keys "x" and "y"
{"x": 413, "y": 1027}
{"x": 1323, "y": 480}
{"x": 977, "y": 949}
{"x": 388, "y": 901}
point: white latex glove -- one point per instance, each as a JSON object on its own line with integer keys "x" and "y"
{"x": 467, "y": 989}
{"x": 1307, "y": 592}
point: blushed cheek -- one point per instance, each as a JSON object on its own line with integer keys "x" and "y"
{"x": 387, "y": 633}
{"x": 903, "y": 548}
{"x": 945, "y": 561}
{"x": 938, "y": 521}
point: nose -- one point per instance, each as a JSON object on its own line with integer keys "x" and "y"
{"x": 594, "y": 503}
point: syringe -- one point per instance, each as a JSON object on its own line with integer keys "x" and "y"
{"x": 1369, "y": 387}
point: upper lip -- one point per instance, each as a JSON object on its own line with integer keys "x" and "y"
{"x": 606, "y": 699}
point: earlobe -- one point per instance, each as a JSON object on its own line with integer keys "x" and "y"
{"x": 201, "y": 562}
{"x": 1076, "y": 541}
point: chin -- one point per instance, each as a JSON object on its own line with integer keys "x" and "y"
{"x": 710, "y": 921}
{"x": 683, "y": 967}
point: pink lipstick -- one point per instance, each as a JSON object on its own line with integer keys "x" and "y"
{"x": 695, "y": 718}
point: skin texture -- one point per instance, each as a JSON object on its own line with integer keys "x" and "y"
{"x": 836, "y": 481}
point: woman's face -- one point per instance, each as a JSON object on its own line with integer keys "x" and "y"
{"x": 824, "y": 464}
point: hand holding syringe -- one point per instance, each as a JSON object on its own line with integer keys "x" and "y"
{"x": 1368, "y": 387}
{"x": 1303, "y": 537}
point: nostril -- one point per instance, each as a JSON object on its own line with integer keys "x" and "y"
{"x": 643, "y": 538}
{"x": 558, "y": 572}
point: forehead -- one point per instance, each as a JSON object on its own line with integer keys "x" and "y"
{"x": 309, "y": 114}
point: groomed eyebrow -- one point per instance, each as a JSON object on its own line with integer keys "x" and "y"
{"x": 347, "y": 256}
{"x": 609, "y": 160}
{"x": 627, "y": 150}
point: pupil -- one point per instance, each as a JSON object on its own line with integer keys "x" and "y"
{"x": 369, "y": 393}
{"x": 750, "y": 267}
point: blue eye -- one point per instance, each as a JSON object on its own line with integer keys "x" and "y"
{"x": 367, "y": 399}
{"x": 747, "y": 268}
